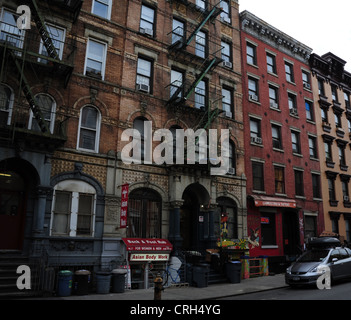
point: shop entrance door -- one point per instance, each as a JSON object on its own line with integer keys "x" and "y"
{"x": 12, "y": 210}
{"x": 291, "y": 239}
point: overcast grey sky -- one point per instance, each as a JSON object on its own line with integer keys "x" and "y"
{"x": 322, "y": 25}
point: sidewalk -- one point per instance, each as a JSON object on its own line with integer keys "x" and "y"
{"x": 191, "y": 293}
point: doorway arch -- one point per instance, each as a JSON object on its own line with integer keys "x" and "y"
{"x": 193, "y": 217}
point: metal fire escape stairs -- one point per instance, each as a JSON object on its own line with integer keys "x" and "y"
{"x": 52, "y": 53}
{"x": 208, "y": 65}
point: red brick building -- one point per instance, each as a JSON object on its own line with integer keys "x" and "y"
{"x": 281, "y": 156}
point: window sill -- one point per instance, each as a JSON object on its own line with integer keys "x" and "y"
{"x": 278, "y": 150}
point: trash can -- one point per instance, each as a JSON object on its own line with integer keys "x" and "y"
{"x": 233, "y": 271}
{"x": 103, "y": 282}
{"x": 118, "y": 280}
{"x": 64, "y": 286}
{"x": 81, "y": 282}
{"x": 200, "y": 275}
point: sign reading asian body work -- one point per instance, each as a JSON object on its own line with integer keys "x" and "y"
{"x": 200, "y": 147}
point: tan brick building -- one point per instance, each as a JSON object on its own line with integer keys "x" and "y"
{"x": 332, "y": 88}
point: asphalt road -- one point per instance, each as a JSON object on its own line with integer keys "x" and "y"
{"x": 338, "y": 291}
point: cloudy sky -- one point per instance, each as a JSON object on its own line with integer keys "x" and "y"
{"x": 322, "y": 25}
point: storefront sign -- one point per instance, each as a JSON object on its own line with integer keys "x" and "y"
{"x": 124, "y": 206}
{"x": 149, "y": 257}
{"x": 263, "y": 201}
{"x": 139, "y": 244}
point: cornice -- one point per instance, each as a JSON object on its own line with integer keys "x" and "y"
{"x": 274, "y": 37}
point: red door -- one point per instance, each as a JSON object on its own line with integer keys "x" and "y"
{"x": 12, "y": 211}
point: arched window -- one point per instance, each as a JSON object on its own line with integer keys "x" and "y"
{"x": 89, "y": 129}
{"x": 144, "y": 214}
{"x": 6, "y": 104}
{"x": 74, "y": 207}
{"x": 228, "y": 211}
{"x": 47, "y": 107}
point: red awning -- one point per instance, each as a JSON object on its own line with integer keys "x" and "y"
{"x": 139, "y": 244}
{"x": 263, "y": 201}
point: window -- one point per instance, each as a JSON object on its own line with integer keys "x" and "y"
{"x": 89, "y": 129}
{"x": 277, "y": 141}
{"x": 73, "y": 212}
{"x": 273, "y": 97}
{"x": 334, "y": 92}
{"x": 57, "y": 36}
{"x": 200, "y": 44}
{"x": 102, "y": 8}
{"x": 289, "y": 72}
{"x": 232, "y": 156}
{"x": 331, "y": 189}
{"x": 328, "y": 151}
{"x": 229, "y": 209}
{"x": 138, "y": 125}
{"x": 342, "y": 155}
{"x": 95, "y": 59}
{"x": 295, "y": 139}
{"x": 144, "y": 214}
{"x": 8, "y": 29}
{"x": 176, "y": 83}
{"x": 225, "y": 14}
{"x": 306, "y": 79}
{"x": 147, "y": 20}
{"x": 201, "y": 4}
{"x": 253, "y": 89}
{"x": 177, "y": 31}
{"x": 258, "y": 176}
{"x": 255, "y": 128}
{"x": 316, "y": 185}
{"x": 310, "y": 226}
{"x": 312, "y": 144}
{"x": 324, "y": 115}
{"x": 345, "y": 189}
{"x": 299, "y": 183}
{"x": 279, "y": 180}
{"x": 337, "y": 118}
{"x": 309, "y": 110}
{"x": 227, "y": 102}
{"x": 6, "y": 105}
{"x": 321, "y": 87}
{"x": 144, "y": 75}
{"x": 251, "y": 53}
{"x": 271, "y": 65}
{"x": 200, "y": 95}
{"x": 347, "y": 99}
{"x": 47, "y": 107}
{"x": 292, "y": 104}
{"x": 226, "y": 54}
{"x": 268, "y": 229}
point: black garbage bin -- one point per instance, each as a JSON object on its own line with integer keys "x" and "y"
{"x": 103, "y": 282}
{"x": 118, "y": 280}
{"x": 200, "y": 275}
{"x": 81, "y": 282}
{"x": 233, "y": 271}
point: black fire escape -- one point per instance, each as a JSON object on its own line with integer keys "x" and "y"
{"x": 33, "y": 54}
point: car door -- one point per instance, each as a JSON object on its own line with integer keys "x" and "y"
{"x": 335, "y": 267}
{"x": 344, "y": 263}
{"x": 348, "y": 262}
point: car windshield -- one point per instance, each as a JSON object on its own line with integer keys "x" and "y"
{"x": 315, "y": 255}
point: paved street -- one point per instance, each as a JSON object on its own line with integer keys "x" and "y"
{"x": 339, "y": 291}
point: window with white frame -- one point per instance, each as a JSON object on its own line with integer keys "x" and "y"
{"x": 226, "y": 54}
{"x": 176, "y": 83}
{"x": 200, "y": 44}
{"x": 177, "y": 30}
{"x": 225, "y": 14}
{"x": 89, "y": 129}
{"x": 57, "y": 36}
{"x": 227, "y": 102}
{"x": 200, "y": 95}
{"x": 144, "y": 75}
{"x": 6, "y": 104}
{"x": 8, "y": 29}
{"x": 95, "y": 59}
{"x": 47, "y": 107}
{"x": 73, "y": 209}
{"x": 102, "y": 8}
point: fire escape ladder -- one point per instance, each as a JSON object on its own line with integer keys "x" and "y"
{"x": 43, "y": 32}
{"x": 30, "y": 97}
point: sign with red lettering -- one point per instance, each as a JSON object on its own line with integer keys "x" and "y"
{"x": 141, "y": 244}
{"x": 124, "y": 206}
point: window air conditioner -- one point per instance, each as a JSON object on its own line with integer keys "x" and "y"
{"x": 256, "y": 140}
{"x": 227, "y": 64}
{"x": 293, "y": 111}
{"x": 253, "y": 97}
{"x": 231, "y": 171}
{"x": 306, "y": 85}
{"x": 147, "y": 31}
{"x": 143, "y": 87}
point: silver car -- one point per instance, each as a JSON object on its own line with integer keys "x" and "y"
{"x": 311, "y": 265}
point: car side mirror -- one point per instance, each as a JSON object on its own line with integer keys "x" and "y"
{"x": 334, "y": 260}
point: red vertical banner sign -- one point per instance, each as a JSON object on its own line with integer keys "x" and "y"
{"x": 124, "y": 206}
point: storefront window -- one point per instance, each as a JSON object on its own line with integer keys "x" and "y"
{"x": 144, "y": 214}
